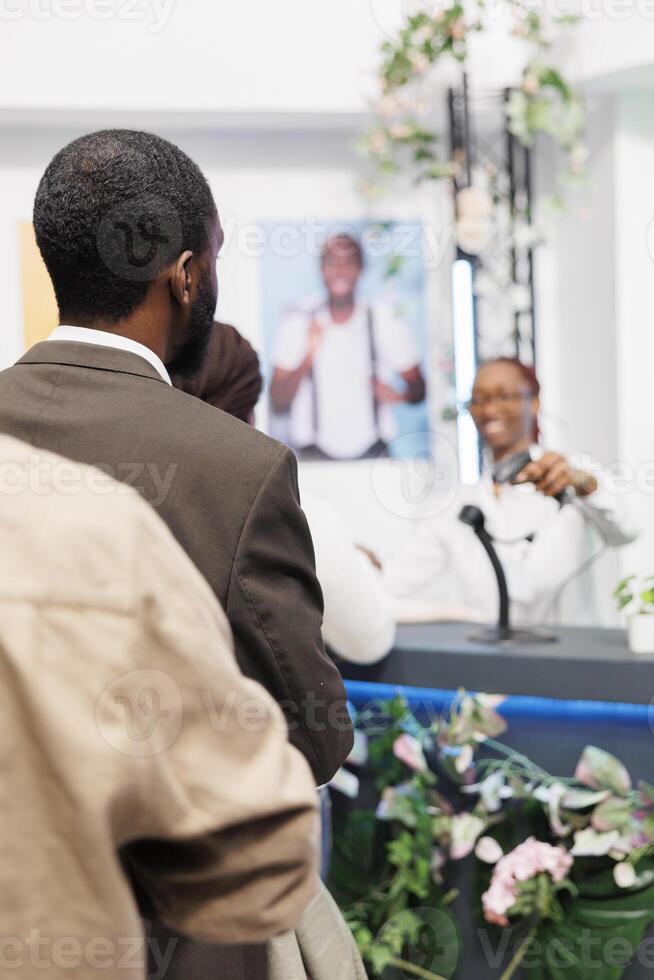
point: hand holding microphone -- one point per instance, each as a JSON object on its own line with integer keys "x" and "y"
{"x": 552, "y": 475}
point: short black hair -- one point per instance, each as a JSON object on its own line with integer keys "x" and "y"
{"x": 345, "y": 245}
{"x": 112, "y": 209}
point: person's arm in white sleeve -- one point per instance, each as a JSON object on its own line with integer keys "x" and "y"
{"x": 297, "y": 343}
{"x": 423, "y": 577}
{"x": 607, "y": 512}
{"x": 415, "y": 571}
{"x": 358, "y": 623}
{"x": 586, "y": 486}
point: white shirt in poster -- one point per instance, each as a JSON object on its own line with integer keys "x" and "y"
{"x": 342, "y": 377}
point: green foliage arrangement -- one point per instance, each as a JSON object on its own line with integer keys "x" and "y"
{"x": 635, "y": 595}
{"x": 541, "y": 101}
{"x": 562, "y": 865}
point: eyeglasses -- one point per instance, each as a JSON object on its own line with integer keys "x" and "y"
{"x": 502, "y": 398}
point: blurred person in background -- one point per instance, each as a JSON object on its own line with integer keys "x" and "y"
{"x": 341, "y": 368}
{"x": 113, "y": 649}
{"x": 358, "y": 624}
{"x": 547, "y": 545}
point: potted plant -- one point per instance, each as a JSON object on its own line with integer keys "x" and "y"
{"x": 635, "y": 597}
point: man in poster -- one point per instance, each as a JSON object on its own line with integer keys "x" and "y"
{"x": 337, "y": 365}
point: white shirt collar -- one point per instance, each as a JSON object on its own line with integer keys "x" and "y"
{"x": 102, "y": 338}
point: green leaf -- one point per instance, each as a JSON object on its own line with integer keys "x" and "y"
{"x": 393, "y": 266}
{"x": 623, "y": 585}
{"x": 588, "y": 936}
{"x": 380, "y": 957}
{"x": 613, "y": 814}
{"x": 551, "y": 77}
{"x": 581, "y": 799}
{"x": 601, "y": 770}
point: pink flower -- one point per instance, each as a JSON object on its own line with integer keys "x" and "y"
{"x": 495, "y": 919}
{"x": 531, "y": 83}
{"x": 409, "y": 751}
{"x": 458, "y": 29}
{"x": 419, "y": 61}
{"x": 496, "y": 903}
{"x": 529, "y": 859}
{"x": 522, "y": 867}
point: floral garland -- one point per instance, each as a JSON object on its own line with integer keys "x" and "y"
{"x": 542, "y": 102}
{"x": 554, "y": 856}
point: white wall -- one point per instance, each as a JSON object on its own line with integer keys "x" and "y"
{"x": 254, "y": 56}
{"x": 634, "y": 243}
{"x": 290, "y": 56}
{"x": 576, "y": 326}
{"x": 614, "y": 39}
{"x": 576, "y": 300}
{"x": 596, "y": 302}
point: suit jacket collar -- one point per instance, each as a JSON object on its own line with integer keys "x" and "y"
{"x": 95, "y": 357}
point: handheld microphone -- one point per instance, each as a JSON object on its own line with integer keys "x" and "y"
{"x": 508, "y": 469}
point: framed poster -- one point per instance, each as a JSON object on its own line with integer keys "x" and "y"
{"x": 345, "y": 338}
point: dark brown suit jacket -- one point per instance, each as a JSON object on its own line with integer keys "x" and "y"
{"x": 229, "y": 494}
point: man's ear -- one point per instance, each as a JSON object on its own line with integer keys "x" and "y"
{"x": 181, "y": 283}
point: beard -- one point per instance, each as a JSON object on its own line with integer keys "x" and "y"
{"x": 189, "y": 359}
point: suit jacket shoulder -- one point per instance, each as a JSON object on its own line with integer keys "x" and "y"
{"x": 228, "y": 493}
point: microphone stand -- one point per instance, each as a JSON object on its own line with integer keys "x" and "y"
{"x": 503, "y": 633}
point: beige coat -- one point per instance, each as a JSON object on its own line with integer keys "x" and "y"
{"x": 322, "y": 947}
{"x": 127, "y": 724}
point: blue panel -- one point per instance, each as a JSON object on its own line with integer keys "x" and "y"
{"x": 516, "y": 706}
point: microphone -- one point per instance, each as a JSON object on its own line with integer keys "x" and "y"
{"x": 503, "y": 633}
{"x": 508, "y": 469}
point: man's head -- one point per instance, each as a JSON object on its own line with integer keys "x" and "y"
{"x": 341, "y": 263}
{"x": 129, "y": 232}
